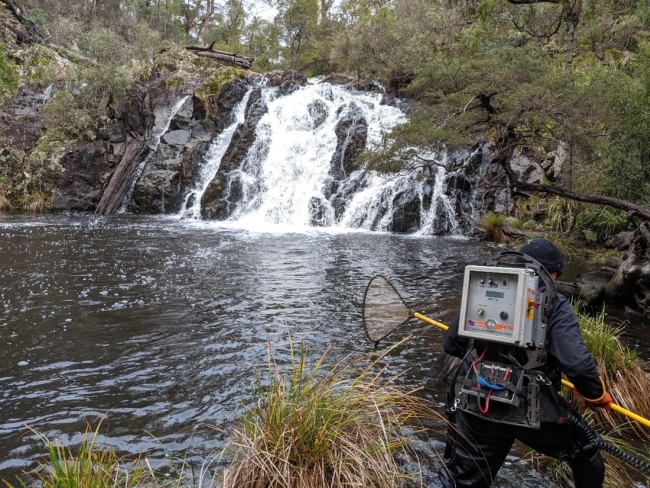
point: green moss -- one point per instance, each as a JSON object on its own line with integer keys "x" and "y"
{"x": 8, "y": 74}
{"x": 209, "y": 92}
{"x": 178, "y": 80}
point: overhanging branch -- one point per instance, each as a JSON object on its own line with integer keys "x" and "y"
{"x": 631, "y": 208}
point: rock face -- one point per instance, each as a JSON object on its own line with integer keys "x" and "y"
{"x": 351, "y": 136}
{"x": 151, "y": 157}
{"x": 225, "y": 190}
{"x": 77, "y": 173}
{"x": 287, "y": 82}
{"x": 174, "y": 166}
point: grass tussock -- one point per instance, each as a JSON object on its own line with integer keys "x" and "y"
{"x": 36, "y": 203}
{"x": 627, "y": 379}
{"x": 626, "y": 376}
{"x": 493, "y": 224}
{"x": 90, "y": 466}
{"x": 311, "y": 428}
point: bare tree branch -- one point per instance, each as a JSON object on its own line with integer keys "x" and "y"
{"x": 632, "y": 208}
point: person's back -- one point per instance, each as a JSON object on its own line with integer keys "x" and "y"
{"x": 483, "y": 432}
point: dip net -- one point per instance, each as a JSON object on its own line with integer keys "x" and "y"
{"x": 384, "y": 310}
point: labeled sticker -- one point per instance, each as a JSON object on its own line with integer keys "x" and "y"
{"x": 488, "y": 326}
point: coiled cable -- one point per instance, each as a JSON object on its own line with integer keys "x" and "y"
{"x": 597, "y": 442}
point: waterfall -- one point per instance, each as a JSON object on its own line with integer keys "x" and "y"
{"x": 288, "y": 165}
{"x": 192, "y": 203}
{"x": 160, "y": 127}
{"x": 298, "y": 173}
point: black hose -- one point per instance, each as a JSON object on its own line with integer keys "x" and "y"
{"x": 596, "y": 441}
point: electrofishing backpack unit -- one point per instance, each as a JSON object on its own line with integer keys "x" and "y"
{"x": 506, "y": 306}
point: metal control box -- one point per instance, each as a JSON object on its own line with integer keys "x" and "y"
{"x": 500, "y": 305}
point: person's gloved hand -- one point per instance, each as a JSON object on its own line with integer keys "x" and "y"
{"x": 605, "y": 401}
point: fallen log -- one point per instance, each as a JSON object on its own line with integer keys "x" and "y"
{"x": 32, "y": 31}
{"x": 236, "y": 59}
{"x": 122, "y": 178}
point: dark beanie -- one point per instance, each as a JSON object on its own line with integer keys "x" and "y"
{"x": 546, "y": 253}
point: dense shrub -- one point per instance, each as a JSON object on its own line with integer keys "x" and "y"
{"x": 8, "y": 74}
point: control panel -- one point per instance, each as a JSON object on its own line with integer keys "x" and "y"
{"x": 501, "y": 305}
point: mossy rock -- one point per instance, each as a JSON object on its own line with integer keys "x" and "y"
{"x": 207, "y": 94}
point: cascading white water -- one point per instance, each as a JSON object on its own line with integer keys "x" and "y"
{"x": 191, "y": 208}
{"x": 161, "y": 125}
{"x": 288, "y": 165}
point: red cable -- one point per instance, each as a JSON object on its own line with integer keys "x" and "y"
{"x": 478, "y": 386}
{"x": 487, "y": 403}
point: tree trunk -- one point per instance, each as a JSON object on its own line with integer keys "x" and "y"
{"x": 632, "y": 208}
{"x": 32, "y": 31}
{"x": 635, "y": 266}
{"x": 209, "y": 11}
{"x": 573, "y": 15}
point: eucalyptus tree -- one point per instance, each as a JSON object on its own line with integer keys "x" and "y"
{"x": 298, "y": 21}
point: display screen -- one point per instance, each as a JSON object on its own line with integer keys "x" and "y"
{"x": 494, "y": 294}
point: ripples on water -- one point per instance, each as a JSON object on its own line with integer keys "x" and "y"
{"x": 158, "y": 325}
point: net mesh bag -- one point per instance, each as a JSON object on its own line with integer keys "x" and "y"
{"x": 384, "y": 310}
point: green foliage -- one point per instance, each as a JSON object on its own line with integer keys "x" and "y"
{"x": 104, "y": 45}
{"x": 8, "y": 75}
{"x": 91, "y": 104}
{"x": 63, "y": 30}
{"x": 629, "y": 151}
{"x": 147, "y": 42}
{"x": 390, "y": 41}
{"x": 601, "y": 223}
{"x": 604, "y": 343}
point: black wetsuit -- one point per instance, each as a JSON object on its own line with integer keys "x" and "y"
{"x": 478, "y": 446}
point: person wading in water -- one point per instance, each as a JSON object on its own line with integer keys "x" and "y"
{"x": 504, "y": 392}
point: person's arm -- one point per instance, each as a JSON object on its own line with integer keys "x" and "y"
{"x": 566, "y": 344}
{"x": 452, "y": 343}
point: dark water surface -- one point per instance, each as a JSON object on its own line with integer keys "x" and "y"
{"x": 158, "y": 325}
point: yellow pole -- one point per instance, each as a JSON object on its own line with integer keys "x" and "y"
{"x": 430, "y": 321}
{"x": 616, "y": 408}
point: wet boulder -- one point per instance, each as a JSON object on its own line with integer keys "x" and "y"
{"x": 287, "y": 82}
{"x": 318, "y": 111}
{"x": 318, "y": 212}
{"x": 406, "y": 211}
{"x": 620, "y": 241}
{"x": 443, "y": 223}
{"x": 458, "y": 189}
{"x": 225, "y": 190}
{"x": 351, "y": 135}
{"x": 177, "y": 137}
